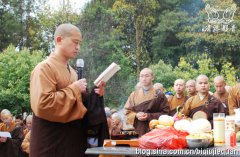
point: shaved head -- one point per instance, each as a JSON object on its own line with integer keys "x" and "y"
{"x": 6, "y": 112}
{"x": 146, "y": 78}
{"x": 181, "y": 81}
{"x": 202, "y": 84}
{"x": 29, "y": 118}
{"x": 219, "y": 84}
{"x": 219, "y": 79}
{"x": 147, "y": 70}
{"x": 191, "y": 82}
{"x": 202, "y": 77}
{"x": 191, "y": 87}
{"x": 65, "y": 30}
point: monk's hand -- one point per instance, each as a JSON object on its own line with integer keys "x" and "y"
{"x": 141, "y": 116}
{"x": 3, "y": 139}
{"x": 82, "y": 84}
{"x": 100, "y": 90}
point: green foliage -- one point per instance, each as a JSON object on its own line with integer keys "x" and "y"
{"x": 189, "y": 68}
{"x": 15, "y": 69}
{"x": 134, "y": 21}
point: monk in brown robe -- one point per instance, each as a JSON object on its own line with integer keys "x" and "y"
{"x": 59, "y": 126}
{"x": 179, "y": 99}
{"x": 234, "y": 98}
{"x": 191, "y": 88}
{"x": 10, "y": 147}
{"x": 221, "y": 92}
{"x": 202, "y": 105}
{"x": 145, "y": 104}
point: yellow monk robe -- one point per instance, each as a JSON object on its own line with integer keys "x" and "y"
{"x": 224, "y": 99}
{"x": 234, "y": 99}
{"x": 174, "y": 102}
{"x": 57, "y": 126}
{"x": 26, "y": 143}
{"x": 3, "y": 127}
{"x": 208, "y": 105}
{"x": 151, "y": 102}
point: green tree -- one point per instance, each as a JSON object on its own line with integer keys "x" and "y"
{"x": 134, "y": 21}
{"x": 221, "y": 46}
{"x": 100, "y": 48}
{"x": 19, "y": 24}
{"x": 15, "y": 69}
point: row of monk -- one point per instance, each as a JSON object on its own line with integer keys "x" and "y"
{"x": 19, "y": 129}
{"x": 149, "y": 102}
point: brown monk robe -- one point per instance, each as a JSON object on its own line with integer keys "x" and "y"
{"x": 234, "y": 98}
{"x": 10, "y": 147}
{"x": 224, "y": 99}
{"x": 58, "y": 124}
{"x": 209, "y": 105}
{"x": 221, "y": 92}
{"x": 153, "y": 103}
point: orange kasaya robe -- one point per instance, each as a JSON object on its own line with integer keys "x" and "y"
{"x": 3, "y": 127}
{"x": 174, "y": 102}
{"x": 234, "y": 99}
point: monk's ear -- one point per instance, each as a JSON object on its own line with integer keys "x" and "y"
{"x": 58, "y": 39}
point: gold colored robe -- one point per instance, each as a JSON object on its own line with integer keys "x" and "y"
{"x": 52, "y": 94}
{"x": 26, "y": 143}
{"x": 234, "y": 99}
{"x": 3, "y": 127}
{"x": 59, "y": 125}
{"x": 153, "y": 103}
{"x": 174, "y": 102}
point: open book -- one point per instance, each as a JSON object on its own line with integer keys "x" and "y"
{"x": 5, "y": 134}
{"x": 107, "y": 73}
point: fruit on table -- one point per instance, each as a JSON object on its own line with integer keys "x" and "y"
{"x": 200, "y": 126}
{"x": 166, "y": 120}
{"x": 182, "y": 125}
{"x": 153, "y": 123}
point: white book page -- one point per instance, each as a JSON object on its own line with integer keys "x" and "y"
{"x": 5, "y": 134}
{"x": 107, "y": 73}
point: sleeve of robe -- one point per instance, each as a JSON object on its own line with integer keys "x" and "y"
{"x": 163, "y": 109}
{"x": 186, "y": 108}
{"x": 232, "y": 100}
{"x": 129, "y": 110}
{"x": 54, "y": 105}
{"x": 26, "y": 143}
